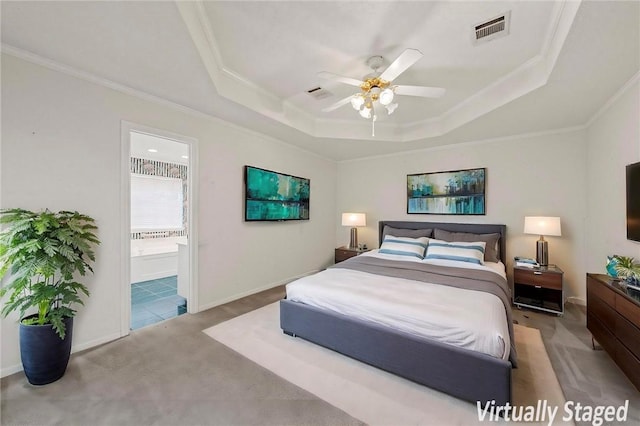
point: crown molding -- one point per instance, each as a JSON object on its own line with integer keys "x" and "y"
{"x": 100, "y": 81}
{"x": 231, "y": 84}
{"x": 109, "y": 84}
{"x": 468, "y": 143}
{"x": 528, "y": 77}
{"x": 621, "y": 92}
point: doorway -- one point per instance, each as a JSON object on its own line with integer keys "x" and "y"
{"x": 160, "y": 253}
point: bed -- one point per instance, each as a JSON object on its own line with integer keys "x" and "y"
{"x": 465, "y": 373}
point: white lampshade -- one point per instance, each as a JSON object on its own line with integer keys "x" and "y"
{"x": 386, "y": 96}
{"x": 542, "y": 225}
{"x": 357, "y": 101}
{"x": 354, "y": 219}
{"x": 365, "y": 112}
{"x": 390, "y": 108}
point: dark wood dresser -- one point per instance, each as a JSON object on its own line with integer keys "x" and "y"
{"x": 613, "y": 318}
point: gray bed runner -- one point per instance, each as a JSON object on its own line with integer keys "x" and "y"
{"x": 470, "y": 279}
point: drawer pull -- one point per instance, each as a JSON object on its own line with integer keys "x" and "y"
{"x": 537, "y": 286}
{"x": 537, "y": 273}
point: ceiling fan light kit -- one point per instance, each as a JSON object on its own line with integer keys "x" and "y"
{"x": 377, "y": 88}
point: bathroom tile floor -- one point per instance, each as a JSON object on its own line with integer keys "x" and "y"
{"x": 154, "y": 301}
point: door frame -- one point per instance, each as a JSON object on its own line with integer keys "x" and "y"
{"x": 125, "y": 217}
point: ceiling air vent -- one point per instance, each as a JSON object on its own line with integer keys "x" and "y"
{"x": 493, "y": 28}
{"x": 319, "y": 93}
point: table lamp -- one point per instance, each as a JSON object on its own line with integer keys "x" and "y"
{"x": 542, "y": 225}
{"x": 354, "y": 220}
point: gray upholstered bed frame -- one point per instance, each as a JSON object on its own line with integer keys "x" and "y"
{"x": 463, "y": 373}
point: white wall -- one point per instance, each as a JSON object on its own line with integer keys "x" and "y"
{"x": 534, "y": 175}
{"x": 613, "y": 142}
{"x": 577, "y": 175}
{"x": 61, "y": 150}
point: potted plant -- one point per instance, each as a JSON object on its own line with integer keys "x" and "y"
{"x": 627, "y": 269}
{"x": 41, "y": 254}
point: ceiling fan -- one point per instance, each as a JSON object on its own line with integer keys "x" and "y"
{"x": 377, "y": 89}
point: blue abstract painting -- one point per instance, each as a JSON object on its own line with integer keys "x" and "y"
{"x": 459, "y": 192}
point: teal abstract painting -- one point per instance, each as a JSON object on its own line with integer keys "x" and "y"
{"x": 273, "y": 196}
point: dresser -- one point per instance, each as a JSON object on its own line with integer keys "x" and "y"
{"x": 613, "y": 318}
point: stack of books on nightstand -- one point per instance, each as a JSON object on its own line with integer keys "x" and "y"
{"x": 526, "y": 262}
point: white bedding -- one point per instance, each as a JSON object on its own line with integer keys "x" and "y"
{"x": 465, "y": 318}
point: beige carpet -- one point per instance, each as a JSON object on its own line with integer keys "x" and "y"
{"x": 372, "y": 395}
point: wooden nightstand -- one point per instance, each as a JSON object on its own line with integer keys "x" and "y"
{"x": 539, "y": 288}
{"x": 344, "y": 253}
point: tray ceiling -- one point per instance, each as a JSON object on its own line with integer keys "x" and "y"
{"x": 252, "y": 63}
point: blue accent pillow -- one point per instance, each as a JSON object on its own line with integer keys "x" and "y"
{"x": 403, "y": 246}
{"x": 472, "y": 252}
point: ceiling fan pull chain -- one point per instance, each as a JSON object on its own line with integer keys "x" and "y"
{"x": 373, "y": 125}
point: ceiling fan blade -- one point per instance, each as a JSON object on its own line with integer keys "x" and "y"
{"x": 423, "y": 91}
{"x": 338, "y": 104}
{"x": 342, "y": 79}
{"x": 400, "y": 65}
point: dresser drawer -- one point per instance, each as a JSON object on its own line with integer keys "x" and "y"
{"x": 604, "y": 337}
{"x": 538, "y": 278}
{"x": 628, "y": 334}
{"x": 594, "y": 288}
{"x": 604, "y": 313}
{"x": 628, "y": 310}
{"x": 629, "y": 364}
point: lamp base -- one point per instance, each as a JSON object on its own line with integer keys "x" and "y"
{"x": 354, "y": 238}
{"x": 542, "y": 252}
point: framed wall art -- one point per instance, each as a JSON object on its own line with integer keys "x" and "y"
{"x": 459, "y": 192}
{"x": 273, "y": 196}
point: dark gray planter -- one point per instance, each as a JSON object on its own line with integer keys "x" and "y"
{"x": 44, "y": 354}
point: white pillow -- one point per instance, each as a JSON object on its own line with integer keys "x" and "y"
{"x": 404, "y": 246}
{"x": 457, "y": 250}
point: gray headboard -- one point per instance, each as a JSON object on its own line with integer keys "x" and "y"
{"x": 475, "y": 228}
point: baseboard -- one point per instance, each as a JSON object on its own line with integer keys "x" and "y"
{"x": 7, "y": 371}
{"x": 96, "y": 342}
{"x": 577, "y": 300}
{"x": 252, "y": 291}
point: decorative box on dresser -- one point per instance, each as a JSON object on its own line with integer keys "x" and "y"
{"x": 344, "y": 253}
{"x": 613, "y": 318}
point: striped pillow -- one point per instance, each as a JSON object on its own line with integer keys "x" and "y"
{"x": 404, "y": 246}
{"x": 462, "y": 251}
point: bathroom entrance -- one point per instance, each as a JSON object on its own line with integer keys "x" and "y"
{"x": 159, "y": 284}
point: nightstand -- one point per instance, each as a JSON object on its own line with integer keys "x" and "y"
{"x": 539, "y": 288}
{"x": 344, "y": 253}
